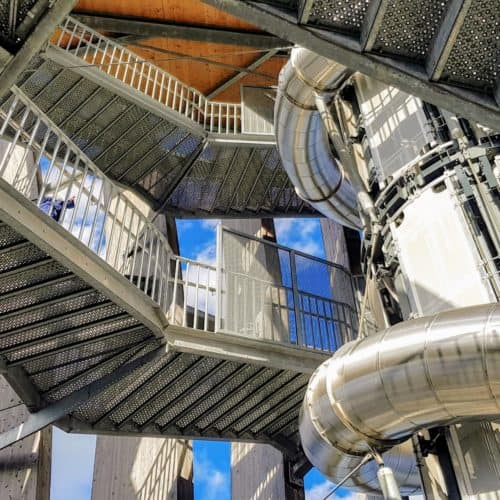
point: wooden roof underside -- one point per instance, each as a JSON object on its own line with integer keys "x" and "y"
{"x": 205, "y": 65}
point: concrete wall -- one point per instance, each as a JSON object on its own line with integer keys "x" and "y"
{"x": 128, "y": 468}
{"x": 24, "y": 466}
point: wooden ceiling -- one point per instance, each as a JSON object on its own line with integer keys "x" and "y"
{"x": 203, "y": 65}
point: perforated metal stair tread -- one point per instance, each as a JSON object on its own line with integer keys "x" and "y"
{"x": 188, "y": 395}
{"x": 160, "y": 160}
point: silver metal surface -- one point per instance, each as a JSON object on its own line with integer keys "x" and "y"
{"x": 303, "y": 140}
{"x": 379, "y": 390}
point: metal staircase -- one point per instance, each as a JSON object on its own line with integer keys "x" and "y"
{"x": 104, "y": 329}
{"x": 445, "y": 52}
{"x": 188, "y": 156}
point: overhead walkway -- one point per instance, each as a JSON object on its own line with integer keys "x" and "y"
{"x": 445, "y": 52}
{"x": 105, "y": 330}
{"x": 146, "y": 129}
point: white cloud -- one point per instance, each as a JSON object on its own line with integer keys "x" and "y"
{"x": 72, "y": 466}
{"x": 303, "y": 235}
{"x": 207, "y": 254}
{"x": 214, "y": 482}
{"x": 209, "y": 224}
{"x": 321, "y": 490}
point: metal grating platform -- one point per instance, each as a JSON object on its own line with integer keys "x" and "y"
{"x": 74, "y": 354}
{"x": 51, "y": 318}
{"x": 198, "y": 396}
{"x": 162, "y": 161}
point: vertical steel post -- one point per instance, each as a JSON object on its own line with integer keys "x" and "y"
{"x": 296, "y": 301}
{"x": 218, "y": 279}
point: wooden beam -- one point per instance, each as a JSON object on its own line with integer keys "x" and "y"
{"x": 150, "y": 29}
{"x": 240, "y": 74}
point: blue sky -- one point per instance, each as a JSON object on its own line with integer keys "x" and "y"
{"x": 73, "y": 455}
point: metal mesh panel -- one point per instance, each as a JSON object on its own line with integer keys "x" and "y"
{"x": 293, "y": 401}
{"x": 51, "y": 378}
{"x": 409, "y": 27}
{"x": 286, "y": 421}
{"x": 236, "y": 398}
{"x": 4, "y": 19}
{"x": 257, "y": 299}
{"x": 21, "y": 256}
{"x": 340, "y": 14}
{"x": 123, "y": 339}
{"x": 8, "y": 236}
{"x": 474, "y": 59}
{"x": 146, "y": 154}
{"x": 232, "y": 177}
{"x": 257, "y": 396}
{"x": 23, "y": 8}
{"x": 33, "y": 275}
{"x": 286, "y": 392}
{"x": 193, "y": 396}
{"x": 79, "y": 126}
{"x": 101, "y": 328}
{"x": 131, "y": 126}
{"x": 58, "y": 326}
{"x": 114, "y": 395}
{"x": 159, "y": 180}
{"x": 84, "y": 351}
{"x": 206, "y": 405}
{"x": 175, "y": 368}
{"x": 49, "y": 96}
{"x": 62, "y": 306}
{"x": 188, "y": 379}
{"x": 92, "y": 375}
{"x": 42, "y": 294}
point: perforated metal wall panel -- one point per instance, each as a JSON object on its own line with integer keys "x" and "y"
{"x": 409, "y": 27}
{"x": 341, "y": 14}
{"x": 474, "y": 60}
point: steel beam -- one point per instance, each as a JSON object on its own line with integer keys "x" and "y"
{"x": 445, "y": 38}
{"x": 32, "y": 45}
{"x": 305, "y": 7}
{"x": 406, "y": 75}
{"x": 241, "y": 74}
{"x": 150, "y": 29}
{"x": 372, "y": 23}
{"x": 204, "y": 60}
{"x": 59, "y": 409}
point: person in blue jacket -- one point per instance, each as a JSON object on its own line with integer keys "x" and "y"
{"x": 57, "y": 206}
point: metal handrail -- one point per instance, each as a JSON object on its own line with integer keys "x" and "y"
{"x": 42, "y": 163}
{"x": 97, "y": 51}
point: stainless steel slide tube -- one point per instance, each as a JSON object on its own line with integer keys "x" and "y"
{"x": 303, "y": 142}
{"x": 379, "y": 390}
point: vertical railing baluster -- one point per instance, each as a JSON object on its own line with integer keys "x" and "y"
{"x": 296, "y": 300}
{"x": 186, "y": 292}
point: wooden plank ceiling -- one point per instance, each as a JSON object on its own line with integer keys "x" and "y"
{"x": 202, "y": 65}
